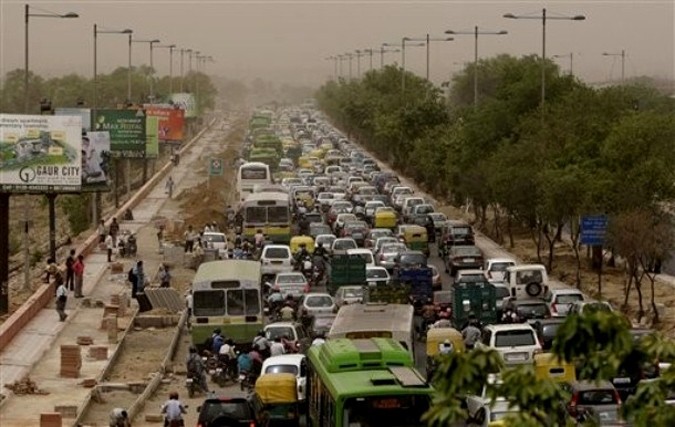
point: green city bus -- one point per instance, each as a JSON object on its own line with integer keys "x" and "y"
{"x": 226, "y": 295}
{"x": 364, "y": 382}
{"x": 269, "y": 212}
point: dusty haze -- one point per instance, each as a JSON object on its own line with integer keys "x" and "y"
{"x": 288, "y": 41}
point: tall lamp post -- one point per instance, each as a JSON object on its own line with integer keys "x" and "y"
{"x": 622, "y": 54}
{"x": 349, "y": 56}
{"x": 171, "y": 47}
{"x": 370, "y": 56}
{"x": 359, "y": 54}
{"x": 182, "y": 74}
{"x": 151, "y": 43}
{"x": 571, "y": 57}
{"x": 334, "y": 59}
{"x": 476, "y": 33}
{"x": 544, "y": 18}
{"x": 403, "y": 45}
{"x": 383, "y": 51}
{"x": 428, "y": 41}
{"x": 27, "y": 15}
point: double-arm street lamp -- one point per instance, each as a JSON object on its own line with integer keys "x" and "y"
{"x": 622, "y": 54}
{"x": 27, "y": 15}
{"x": 152, "y": 69}
{"x": 349, "y": 56}
{"x": 335, "y": 65}
{"x": 383, "y": 50}
{"x": 428, "y": 41}
{"x": 171, "y": 47}
{"x": 403, "y": 45}
{"x": 543, "y": 17}
{"x": 359, "y": 54}
{"x": 570, "y": 56}
{"x": 98, "y": 31}
{"x": 476, "y": 32}
{"x": 182, "y": 74}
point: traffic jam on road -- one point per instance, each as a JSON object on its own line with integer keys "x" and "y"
{"x": 344, "y": 287}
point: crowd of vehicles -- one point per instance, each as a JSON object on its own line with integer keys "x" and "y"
{"x": 339, "y": 272}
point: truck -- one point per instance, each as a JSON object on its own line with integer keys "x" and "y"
{"x": 473, "y": 299}
{"x": 409, "y": 285}
{"x": 346, "y": 270}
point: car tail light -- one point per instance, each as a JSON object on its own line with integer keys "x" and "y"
{"x": 617, "y": 397}
{"x": 573, "y": 404}
{"x": 554, "y": 308}
{"x": 251, "y": 424}
{"x": 305, "y": 289}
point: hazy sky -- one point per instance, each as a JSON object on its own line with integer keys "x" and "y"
{"x": 288, "y": 41}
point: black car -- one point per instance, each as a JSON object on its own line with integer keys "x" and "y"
{"x": 546, "y": 330}
{"x": 228, "y": 412}
{"x": 410, "y": 259}
{"x": 463, "y": 257}
{"x": 636, "y": 367}
{"x": 529, "y": 309}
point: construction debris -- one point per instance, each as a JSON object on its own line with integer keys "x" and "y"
{"x": 25, "y": 386}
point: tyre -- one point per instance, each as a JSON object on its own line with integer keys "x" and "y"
{"x": 533, "y": 289}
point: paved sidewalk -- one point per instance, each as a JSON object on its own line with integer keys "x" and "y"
{"x": 36, "y": 349}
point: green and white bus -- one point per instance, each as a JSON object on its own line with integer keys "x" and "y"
{"x": 226, "y": 295}
{"x": 364, "y": 382}
{"x": 269, "y": 212}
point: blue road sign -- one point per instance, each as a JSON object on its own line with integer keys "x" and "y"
{"x": 593, "y": 230}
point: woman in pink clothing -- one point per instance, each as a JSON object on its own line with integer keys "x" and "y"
{"x": 78, "y": 269}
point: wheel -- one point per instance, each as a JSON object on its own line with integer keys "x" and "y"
{"x": 533, "y": 289}
{"x": 191, "y": 392}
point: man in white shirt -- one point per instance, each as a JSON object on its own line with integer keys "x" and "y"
{"x": 119, "y": 418}
{"x": 61, "y": 298}
{"x": 173, "y": 410}
{"x": 277, "y": 348}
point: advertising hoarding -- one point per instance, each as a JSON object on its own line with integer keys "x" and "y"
{"x": 40, "y": 153}
{"x": 171, "y": 121}
{"x": 151, "y": 137}
{"x": 85, "y": 113}
{"x": 186, "y": 102}
{"x": 96, "y": 161}
{"x": 127, "y": 131}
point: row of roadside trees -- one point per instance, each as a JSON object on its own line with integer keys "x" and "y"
{"x": 589, "y": 151}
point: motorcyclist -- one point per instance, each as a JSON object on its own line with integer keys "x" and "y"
{"x": 303, "y": 225}
{"x": 261, "y": 344}
{"x": 196, "y": 369}
{"x": 428, "y": 314}
{"x": 443, "y": 321}
{"x": 287, "y": 313}
{"x": 227, "y": 356}
{"x": 471, "y": 333}
{"x": 218, "y": 342}
{"x": 301, "y": 255}
{"x": 259, "y": 238}
{"x": 173, "y": 411}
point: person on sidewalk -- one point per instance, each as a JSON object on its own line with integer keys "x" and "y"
{"x": 78, "y": 268}
{"x": 110, "y": 244}
{"x": 61, "y": 298}
{"x": 119, "y": 418}
{"x": 164, "y": 276}
{"x": 173, "y": 411}
{"x": 70, "y": 273}
{"x": 169, "y": 187}
{"x": 138, "y": 284}
{"x": 114, "y": 227}
{"x": 190, "y": 237}
{"x": 101, "y": 232}
{"x": 52, "y": 270}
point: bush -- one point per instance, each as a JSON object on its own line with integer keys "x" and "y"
{"x": 77, "y": 209}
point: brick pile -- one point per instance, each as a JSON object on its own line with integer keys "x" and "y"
{"x": 117, "y": 268}
{"x": 51, "y": 420}
{"x": 85, "y": 340}
{"x": 98, "y": 352}
{"x": 71, "y": 361}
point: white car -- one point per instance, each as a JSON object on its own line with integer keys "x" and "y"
{"x": 366, "y": 254}
{"x": 325, "y": 199}
{"x": 288, "y": 364}
{"x": 276, "y": 259}
{"x": 560, "y": 300}
{"x": 409, "y": 203}
{"x": 377, "y": 276}
{"x": 495, "y": 268}
{"x": 516, "y": 343}
{"x": 317, "y": 303}
{"x": 218, "y": 241}
{"x": 348, "y": 295}
{"x": 343, "y": 244}
{"x": 294, "y": 284}
{"x": 371, "y": 207}
{"x": 326, "y": 241}
{"x": 342, "y": 219}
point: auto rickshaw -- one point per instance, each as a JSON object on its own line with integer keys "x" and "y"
{"x": 385, "y": 219}
{"x": 297, "y": 241}
{"x": 278, "y": 397}
{"x": 415, "y": 237}
{"x": 548, "y": 366}
{"x": 436, "y": 338}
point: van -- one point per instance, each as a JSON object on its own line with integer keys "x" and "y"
{"x": 517, "y": 344}
{"x": 527, "y": 281}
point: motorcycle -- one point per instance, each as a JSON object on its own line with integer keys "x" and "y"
{"x": 225, "y": 372}
{"x": 192, "y": 386}
{"x": 247, "y": 381}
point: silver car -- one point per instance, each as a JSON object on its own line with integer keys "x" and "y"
{"x": 386, "y": 257}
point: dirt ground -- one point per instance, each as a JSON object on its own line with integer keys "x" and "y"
{"x": 564, "y": 269}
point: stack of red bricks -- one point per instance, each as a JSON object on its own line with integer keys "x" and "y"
{"x": 109, "y": 310}
{"x": 50, "y": 420}
{"x": 98, "y": 352}
{"x": 71, "y": 361}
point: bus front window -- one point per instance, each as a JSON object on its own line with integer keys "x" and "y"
{"x": 235, "y": 303}
{"x": 252, "y": 302}
{"x": 278, "y": 214}
{"x": 390, "y": 411}
{"x": 208, "y": 303}
{"x": 255, "y": 214}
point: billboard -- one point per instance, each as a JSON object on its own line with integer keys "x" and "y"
{"x": 85, "y": 113}
{"x": 171, "y": 121}
{"x": 186, "y": 102}
{"x": 40, "y": 153}
{"x": 96, "y": 161}
{"x": 151, "y": 137}
{"x": 127, "y": 131}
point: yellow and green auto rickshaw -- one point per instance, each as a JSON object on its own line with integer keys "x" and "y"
{"x": 438, "y": 339}
{"x": 415, "y": 237}
{"x": 548, "y": 366}
{"x": 278, "y": 398}
{"x": 385, "y": 218}
{"x": 297, "y": 241}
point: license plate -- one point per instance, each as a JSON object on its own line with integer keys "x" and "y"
{"x": 242, "y": 377}
{"x": 517, "y": 357}
{"x": 188, "y": 381}
{"x": 277, "y": 262}
{"x": 621, "y": 380}
{"x": 468, "y": 260}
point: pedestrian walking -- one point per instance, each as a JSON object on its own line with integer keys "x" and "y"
{"x": 110, "y": 244}
{"x": 101, "y": 232}
{"x": 61, "y": 298}
{"x": 138, "y": 285}
{"x": 190, "y": 235}
{"x": 114, "y": 227}
{"x": 160, "y": 238}
{"x": 164, "y": 276}
{"x": 70, "y": 273}
{"x": 169, "y": 187}
{"x": 78, "y": 268}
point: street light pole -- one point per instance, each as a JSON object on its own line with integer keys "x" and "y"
{"x": 571, "y": 57}
{"x": 544, "y": 18}
{"x": 27, "y": 15}
{"x": 129, "y": 74}
{"x": 622, "y": 54}
{"x": 475, "y": 34}
{"x": 171, "y": 47}
{"x": 426, "y": 40}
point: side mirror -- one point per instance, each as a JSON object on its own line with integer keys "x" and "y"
{"x": 199, "y": 408}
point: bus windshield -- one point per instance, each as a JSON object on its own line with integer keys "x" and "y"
{"x": 394, "y": 411}
{"x": 278, "y": 214}
{"x": 256, "y": 214}
{"x": 253, "y": 172}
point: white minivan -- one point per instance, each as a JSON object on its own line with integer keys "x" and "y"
{"x": 516, "y": 343}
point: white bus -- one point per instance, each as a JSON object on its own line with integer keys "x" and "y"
{"x": 251, "y": 174}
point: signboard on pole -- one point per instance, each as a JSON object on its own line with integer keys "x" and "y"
{"x": 127, "y": 131}
{"x": 152, "y": 140}
{"x": 96, "y": 161}
{"x": 593, "y": 230}
{"x": 40, "y": 154}
{"x": 186, "y": 102}
{"x": 85, "y": 113}
{"x": 215, "y": 167}
{"x": 171, "y": 121}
